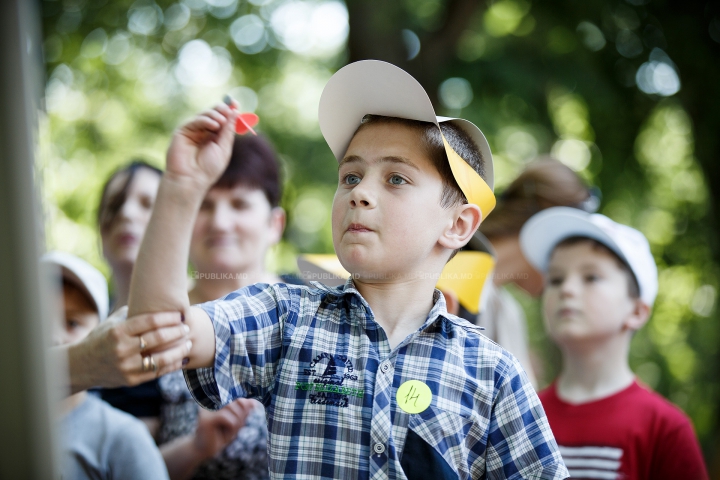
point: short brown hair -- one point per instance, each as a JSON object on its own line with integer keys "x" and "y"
{"x": 433, "y": 144}
{"x": 543, "y": 184}
{"x": 254, "y": 164}
{"x": 633, "y": 287}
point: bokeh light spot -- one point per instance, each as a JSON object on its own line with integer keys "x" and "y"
{"x": 628, "y": 44}
{"x": 310, "y": 28}
{"x": 573, "y": 153}
{"x": 504, "y": 17}
{"x": 456, "y": 93}
{"x": 248, "y": 33}
{"x": 144, "y": 18}
{"x": 412, "y": 43}
{"x": 94, "y": 44}
{"x": 592, "y": 37}
{"x": 176, "y": 17}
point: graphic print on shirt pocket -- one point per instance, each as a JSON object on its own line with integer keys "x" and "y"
{"x": 331, "y": 380}
{"x": 436, "y": 443}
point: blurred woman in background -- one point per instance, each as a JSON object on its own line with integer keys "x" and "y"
{"x": 125, "y": 207}
{"x": 543, "y": 184}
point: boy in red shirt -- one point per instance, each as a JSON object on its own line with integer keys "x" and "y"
{"x": 601, "y": 282}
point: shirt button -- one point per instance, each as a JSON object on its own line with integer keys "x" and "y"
{"x": 384, "y": 367}
{"x": 379, "y": 448}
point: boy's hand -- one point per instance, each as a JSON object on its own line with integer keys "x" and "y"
{"x": 215, "y": 430}
{"x": 200, "y": 150}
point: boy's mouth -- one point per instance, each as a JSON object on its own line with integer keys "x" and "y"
{"x": 357, "y": 228}
{"x": 567, "y": 312}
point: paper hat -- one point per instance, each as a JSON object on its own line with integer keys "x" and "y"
{"x": 546, "y": 229}
{"x": 469, "y": 272}
{"x": 380, "y": 88}
{"x": 86, "y": 277}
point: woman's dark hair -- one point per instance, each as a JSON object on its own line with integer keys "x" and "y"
{"x": 253, "y": 163}
{"x": 543, "y": 184}
{"x": 110, "y": 206}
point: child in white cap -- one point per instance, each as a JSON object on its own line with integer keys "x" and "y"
{"x": 601, "y": 282}
{"x": 99, "y": 441}
{"x": 373, "y": 379}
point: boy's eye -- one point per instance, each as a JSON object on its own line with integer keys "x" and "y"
{"x": 72, "y": 324}
{"x": 591, "y": 278}
{"x": 351, "y": 179}
{"x": 555, "y": 281}
{"x": 397, "y": 180}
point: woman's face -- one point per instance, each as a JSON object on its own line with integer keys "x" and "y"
{"x": 121, "y": 238}
{"x": 234, "y": 229}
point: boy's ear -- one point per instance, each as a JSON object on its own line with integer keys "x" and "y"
{"x": 639, "y": 316}
{"x": 466, "y": 221}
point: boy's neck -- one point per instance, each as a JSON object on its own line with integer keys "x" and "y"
{"x": 594, "y": 371}
{"x": 211, "y": 286}
{"x": 400, "y": 308}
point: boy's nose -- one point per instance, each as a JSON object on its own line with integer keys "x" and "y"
{"x": 363, "y": 203}
{"x": 362, "y": 197}
{"x": 568, "y": 287}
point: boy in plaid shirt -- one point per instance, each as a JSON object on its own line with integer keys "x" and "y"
{"x": 373, "y": 379}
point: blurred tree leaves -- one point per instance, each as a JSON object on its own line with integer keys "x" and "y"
{"x": 625, "y": 92}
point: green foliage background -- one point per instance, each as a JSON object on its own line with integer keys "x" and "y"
{"x": 545, "y": 77}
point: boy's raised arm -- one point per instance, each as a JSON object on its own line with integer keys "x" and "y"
{"x": 197, "y": 156}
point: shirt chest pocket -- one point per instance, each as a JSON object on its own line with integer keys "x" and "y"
{"x": 437, "y": 446}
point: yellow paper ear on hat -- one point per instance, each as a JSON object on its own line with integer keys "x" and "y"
{"x": 476, "y": 190}
{"x": 465, "y": 276}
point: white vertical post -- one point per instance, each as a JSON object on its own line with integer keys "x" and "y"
{"x": 26, "y": 424}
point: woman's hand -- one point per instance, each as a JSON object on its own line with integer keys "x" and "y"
{"x": 214, "y": 432}
{"x": 113, "y": 354}
{"x": 200, "y": 149}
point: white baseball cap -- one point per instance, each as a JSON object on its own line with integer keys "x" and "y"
{"x": 85, "y": 276}
{"x": 541, "y": 234}
{"x": 380, "y": 88}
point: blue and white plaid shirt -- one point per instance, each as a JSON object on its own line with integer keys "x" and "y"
{"x": 328, "y": 378}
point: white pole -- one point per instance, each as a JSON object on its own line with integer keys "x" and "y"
{"x": 26, "y": 424}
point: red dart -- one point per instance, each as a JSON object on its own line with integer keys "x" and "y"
{"x": 245, "y": 121}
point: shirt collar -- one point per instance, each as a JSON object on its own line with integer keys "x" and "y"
{"x": 437, "y": 312}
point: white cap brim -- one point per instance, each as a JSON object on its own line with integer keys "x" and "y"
{"x": 380, "y": 88}
{"x": 85, "y": 276}
{"x": 546, "y": 229}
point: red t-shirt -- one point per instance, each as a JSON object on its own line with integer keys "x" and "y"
{"x": 634, "y": 434}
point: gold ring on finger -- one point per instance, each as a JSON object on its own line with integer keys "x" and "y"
{"x": 153, "y": 365}
{"x": 146, "y": 363}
